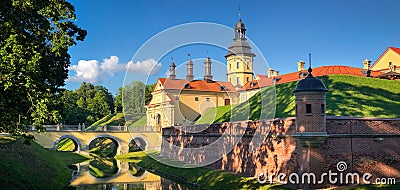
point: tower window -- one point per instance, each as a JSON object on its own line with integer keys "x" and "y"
{"x": 237, "y": 65}
{"x": 230, "y": 66}
{"x": 196, "y": 98}
{"x": 308, "y": 109}
{"x": 237, "y": 80}
{"x": 247, "y": 66}
{"x": 322, "y": 109}
{"x": 247, "y": 79}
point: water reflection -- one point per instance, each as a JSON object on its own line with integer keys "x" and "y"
{"x": 114, "y": 174}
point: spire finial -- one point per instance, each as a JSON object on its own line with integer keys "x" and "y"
{"x": 240, "y": 14}
{"x": 189, "y": 56}
{"x": 309, "y": 68}
{"x": 172, "y": 59}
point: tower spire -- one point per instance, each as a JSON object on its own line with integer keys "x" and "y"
{"x": 207, "y": 69}
{"x": 172, "y": 69}
{"x": 189, "y": 65}
{"x": 240, "y": 14}
{"x": 309, "y": 68}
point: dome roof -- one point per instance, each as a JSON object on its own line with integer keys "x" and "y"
{"x": 239, "y": 25}
{"x": 310, "y": 83}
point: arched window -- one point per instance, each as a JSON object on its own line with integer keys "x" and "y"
{"x": 237, "y": 65}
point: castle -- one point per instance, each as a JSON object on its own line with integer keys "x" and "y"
{"x": 308, "y": 145}
{"x": 183, "y": 101}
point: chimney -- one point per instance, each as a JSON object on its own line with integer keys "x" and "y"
{"x": 300, "y": 65}
{"x": 270, "y": 73}
{"x": 207, "y": 71}
{"x": 367, "y": 64}
{"x": 276, "y": 73}
{"x": 172, "y": 70}
{"x": 189, "y": 65}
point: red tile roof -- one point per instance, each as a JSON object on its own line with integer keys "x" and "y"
{"x": 319, "y": 71}
{"x": 196, "y": 85}
{"x": 397, "y": 50}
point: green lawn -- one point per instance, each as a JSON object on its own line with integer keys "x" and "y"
{"x": 111, "y": 119}
{"x": 33, "y": 167}
{"x": 65, "y": 145}
{"x": 347, "y": 96}
{"x": 116, "y": 119}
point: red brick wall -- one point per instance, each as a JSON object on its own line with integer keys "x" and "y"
{"x": 351, "y": 140}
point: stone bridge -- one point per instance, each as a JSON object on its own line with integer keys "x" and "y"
{"x": 145, "y": 137}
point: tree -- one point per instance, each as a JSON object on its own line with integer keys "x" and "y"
{"x": 148, "y": 96}
{"x": 87, "y": 104}
{"x": 35, "y": 36}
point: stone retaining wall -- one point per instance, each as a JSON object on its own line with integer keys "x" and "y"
{"x": 250, "y": 148}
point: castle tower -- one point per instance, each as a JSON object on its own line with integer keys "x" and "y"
{"x": 239, "y": 59}
{"x": 172, "y": 74}
{"x": 189, "y": 75}
{"x": 207, "y": 71}
{"x": 310, "y": 106}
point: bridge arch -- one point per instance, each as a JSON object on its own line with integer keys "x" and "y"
{"x": 77, "y": 143}
{"x": 113, "y": 138}
{"x": 140, "y": 141}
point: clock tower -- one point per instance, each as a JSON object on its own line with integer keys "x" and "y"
{"x": 239, "y": 59}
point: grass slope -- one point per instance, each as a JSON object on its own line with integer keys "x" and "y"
{"x": 116, "y": 119}
{"x": 33, "y": 167}
{"x": 111, "y": 119}
{"x": 347, "y": 96}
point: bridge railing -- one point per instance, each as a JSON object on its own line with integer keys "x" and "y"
{"x": 79, "y": 127}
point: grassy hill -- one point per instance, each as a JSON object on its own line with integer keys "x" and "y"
{"x": 116, "y": 119}
{"x": 33, "y": 167}
{"x": 347, "y": 96}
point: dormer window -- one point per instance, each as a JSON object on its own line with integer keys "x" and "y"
{"x": 222, "y": 88}
{"x": 187, "y": 85}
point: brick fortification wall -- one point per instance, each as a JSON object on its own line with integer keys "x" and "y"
{"x": 250, "y": 148}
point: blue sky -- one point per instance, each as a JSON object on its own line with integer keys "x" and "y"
{"x": 336, "y": 32}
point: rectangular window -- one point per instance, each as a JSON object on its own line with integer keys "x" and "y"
{"x": 227, "y": 101}
{"x": 247, "y": 79}
{"x": 308, "y": 109}
{"x": 237, "y": 80}
{"x": 237, "y": 65}
{"x": 323, "y": 109}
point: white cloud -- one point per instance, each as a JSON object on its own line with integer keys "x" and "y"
{"x": 111, "y": 65}
{"x": 149, "y": 66}
{"x": 92, "y": 70}
{"x": 86, "y": 71}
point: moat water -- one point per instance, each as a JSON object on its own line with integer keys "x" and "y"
{"x": 115, "y": 174}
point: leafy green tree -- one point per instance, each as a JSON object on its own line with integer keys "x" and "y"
{"x": 148, "y": 96}
{"x": 118, "y": 100}
{"x": 35, "y": 36}
{"x": 87, "y": 104}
